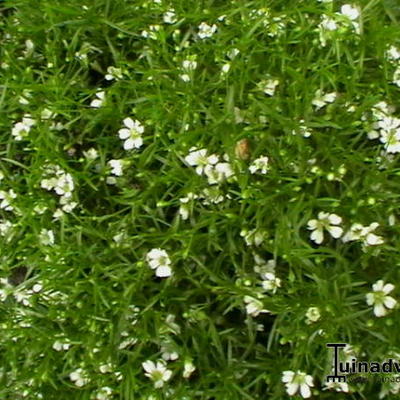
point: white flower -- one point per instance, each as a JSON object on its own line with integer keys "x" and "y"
{"x": 104, "y": 393}
{"x": 158, "y": 259}
{"x": 270, "y": 282}
{"x": 254, "y": 237}
{"x": 64, "y": 185}
{"x": 338, "y": 386}
{"x": 185, "y": 207}
{"x": 200, "y": 159}
{"x": 5, "y": 227}
{"x": 254, "y": 306}
{"x": 58, "y": 346}
{"x": 364, "y": 234}
{"x": 393, "y": 54}
{"x": 169, "y": 17}
{"x": 233, "y": 53}
{"x": 218, "y": 173}
{"x": 91, "y": 154}
{"x": 325, "y": 221}
{"x": 99, "y": 102}
{"x": 379, "y": 298}
{"x": 6, "y": 199}
{"x": 206, "y": 31}
{"x": 321, "y": 100}
{"x": 259, "y": 165}
{"x": 328, "y": 24}
{"x": 79, "y": 377}
{"x": 21, "y": 129}
{"x": 157, "y": 372}
{"x": 113, "y": 73}
{"x": 188, "y": 369}
{"x": 313, "y": 315}
{"x": 189, "y": 64}
{"x": 116, "y": 167}
{"x": 132, "y": 134}
{"x": 167, "y": 353}
{"x": 268, "y": 86}
{"x": 295, "y": 381}
{"x": 350, "y": 12}
{"x": 185, "y": 77}
{"x": 46, "y": 237}
{"x": 396, "y": 77}
{"x": 225, "y": 68}
{"x": 390, "y": 133}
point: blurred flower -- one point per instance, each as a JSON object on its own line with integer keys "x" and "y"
{"x": 206, "y": 31}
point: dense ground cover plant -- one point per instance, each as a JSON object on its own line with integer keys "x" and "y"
{"x": 197, "y": 196}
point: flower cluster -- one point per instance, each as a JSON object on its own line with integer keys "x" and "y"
{"x": 62, "y": 183}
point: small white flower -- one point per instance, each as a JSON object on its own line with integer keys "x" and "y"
{"x": 131, "y": 134}
{"x": 113, "y": 73}
{"x": 200, "y": 159}
{"x": 206, "y": 31}
{"x": 189, "y": 64}
{"x": 225, "y": 68}
{"x": 158, "y": 373}
{"x": 58, "y": 345}
{"x": 338, "y": 386}
{"x": 396, "y": 77}
{"x": 99, "y": 102}
{"x": 254, "y": 306}
{"x": 298, "y": 381}
{"x": 218, "y": 173}
{"x": 393, "y": 54}
{"x": 379, "y": 298}
{"x": 188, "y": 369}
{"x": 91, "y": 154}
{"x": 254, "y": 237}
{"x": 260, "y": 165}
{"x": 364, "y": 234}
{"x": 391, "y": 139}
{"x": 185, "y": 206}
{"x": 158, "y": 259}
{"x": 313, "y": 315}
{"x": 167, "y": 353}
{"x": 7, "y": 199}
{"x": 233, "y": 53}
{"x": 116, "y": 167}
{"x": 21, "y": 129}
{"x": 79, "y": 377}
{"x": 169, "y": 17}
{"x": 321, "y": 100}
{"x": 46, "y": 237}
{"x": 325, "y": 221}
{"x": 5, "y": 227}
{"x": 328, "y": 24}
{"x": 270, "y": 283}
{"x": 104, "y": 393}
{"x": 349, "y": 11}
{"x": 268, "y": 86}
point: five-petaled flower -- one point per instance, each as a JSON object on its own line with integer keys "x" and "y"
{"x": 295, "y": 381}
{"x": 379, "y": 298}
{"x": 158, "y": 373}
{"x": 325, "y": 221}
{"x": 158, "y": 259}
{"x": 131, "y": 134}
{"x": 201, "y": 160}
